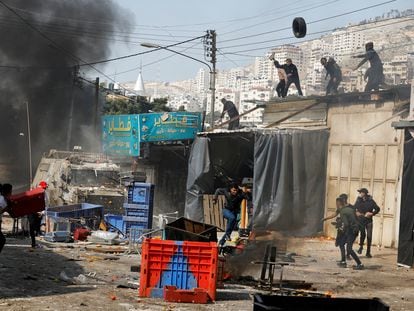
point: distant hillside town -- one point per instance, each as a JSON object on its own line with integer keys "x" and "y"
{"x": 392, "y": 35}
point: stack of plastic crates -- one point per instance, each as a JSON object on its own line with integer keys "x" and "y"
{"x": 138, "y": 210}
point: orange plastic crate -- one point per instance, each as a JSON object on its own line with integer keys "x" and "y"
{"x": 183, "y": 264}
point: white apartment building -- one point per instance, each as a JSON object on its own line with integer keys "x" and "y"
{"x": 228, "y": 79}
{"x": 264, "y": 68}
{"x": 289, "y": 51}
{"x": 347, "y": 41}
{"x": 255, "y": 117}
{"x": 396, "y": 71}
{"x": 248, "y": 83}
{"x": 202, "y": 82}
{"x": 186, "y": 101}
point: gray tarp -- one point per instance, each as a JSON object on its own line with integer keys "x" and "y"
{"x": 289, "y": 181}
{"x": 289, "y": 175}
{"x": 199, "y": 180}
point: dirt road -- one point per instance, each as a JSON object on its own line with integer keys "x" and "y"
{"x": 62, "y": 278}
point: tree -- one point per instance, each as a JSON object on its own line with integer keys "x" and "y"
{"x": 133, "y": 105}
{"x": 160, "y": 104}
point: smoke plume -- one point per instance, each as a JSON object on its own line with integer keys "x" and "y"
{"x": 38, "y": 66}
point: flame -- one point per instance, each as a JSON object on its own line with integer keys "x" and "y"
{"x": 329, "y": 294}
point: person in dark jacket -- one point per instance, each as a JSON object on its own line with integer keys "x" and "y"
{"x": 375, "y": 73}
{"x": 365, "y": 208}
{"x": 292, "y": 75}
{"x": 347, "y": 232}
{"x": 335, "y": 75}
{"x": 5, "y": 193}
{"x": 234, "y": 197}
{"x": 232, "y": 112}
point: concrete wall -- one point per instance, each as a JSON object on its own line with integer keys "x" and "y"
{"x": 167, "y": 168}
{"x": 365, "y": 151}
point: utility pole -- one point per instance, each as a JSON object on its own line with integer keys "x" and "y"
{"x": 29, "y": 143}
{"x": 96, "y": 112}
{"x": 71, "y": 107}
{"x": 211, "y": 54}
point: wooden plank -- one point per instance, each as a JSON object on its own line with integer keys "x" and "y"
{"x": 206, "y": 209}
{"x": 213, "y": 214}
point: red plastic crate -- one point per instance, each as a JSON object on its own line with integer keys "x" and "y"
{"x": 172, "y": 294}
{"x": 183, "y": 264}
{"x": 27, "y": 203}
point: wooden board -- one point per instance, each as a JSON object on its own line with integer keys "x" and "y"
{"x": 213, "y": 214}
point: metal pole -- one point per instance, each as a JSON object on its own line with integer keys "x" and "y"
{"x": 29, "y": 145}
{"x": 213, "y": 75}
{"x": 213, "y": 93}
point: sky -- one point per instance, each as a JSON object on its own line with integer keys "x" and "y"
{"x": 245, "y": 29}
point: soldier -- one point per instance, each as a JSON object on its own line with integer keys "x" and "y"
{"x": 365, "y": 208}
{"x": 347, "y": 233}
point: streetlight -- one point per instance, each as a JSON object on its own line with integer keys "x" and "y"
{"x": 29, "y": 143}
{"x": 212, "y": 74}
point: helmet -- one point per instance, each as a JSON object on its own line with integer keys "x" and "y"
{"x": 43, "y": 184}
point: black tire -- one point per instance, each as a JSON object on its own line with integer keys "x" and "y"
{"x": 299, "y": 27}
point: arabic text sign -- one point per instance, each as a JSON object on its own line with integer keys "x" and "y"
{"x": 120, "y": 135}
{"x": 169, "y": 126}
{"x": 123, "y": 134}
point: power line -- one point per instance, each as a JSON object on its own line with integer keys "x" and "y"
{"x": 73, "y": 56}
{"x": 95, "y": 35}
{"x": 152, "y": 63}
{"x": 312, "y": 22}
{"x": 280, "y": 17}
{"x": 141, "y": 53}
{"x": 310, "y": 34}
{"x": 86, "y": 29}
{"x": 161, "y": 28}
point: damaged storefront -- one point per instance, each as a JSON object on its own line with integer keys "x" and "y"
{"x": 288, "y": 168}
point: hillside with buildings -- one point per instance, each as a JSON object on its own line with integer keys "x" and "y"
{"x": 391, "y": 33}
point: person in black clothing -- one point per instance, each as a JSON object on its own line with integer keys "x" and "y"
{"x": 365, "y": 208}
{"x": 344, "y": 197}
{"x": 233, "y": 196}
{"x": 232, "y": 112}
{"x": 375, "y": 73}
{"x": 5, "y": 193}
{"x": 335, "y": 74}
{"x": 347, "y": 226}
{"x": 292, "y": 75}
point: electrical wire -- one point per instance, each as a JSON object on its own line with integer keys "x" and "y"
{"x": 324, "y": 3}
{"x": 307, "y": 40}
{"x": 73, "y": 56}
{"x": 312, "y": 22}
{"x": 151, "y": 63}
{"x": 100, "y": 36}
{"x": 161, "y": 28}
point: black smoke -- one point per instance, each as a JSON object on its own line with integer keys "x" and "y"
{"x": 40, "y": 66}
